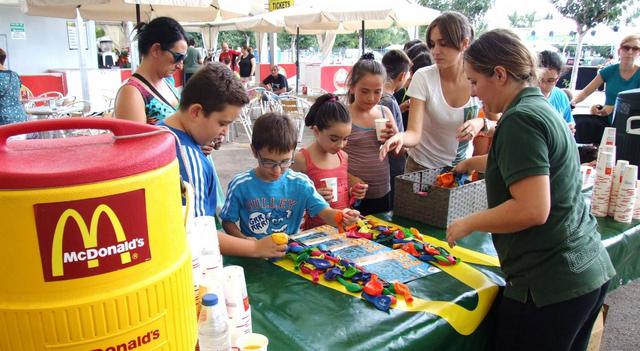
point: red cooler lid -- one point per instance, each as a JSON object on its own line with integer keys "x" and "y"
{"x": 46, "y": 163}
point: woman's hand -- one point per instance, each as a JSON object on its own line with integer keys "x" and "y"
{"x": 602, "y": 111}
{"x": 394, "y": 143}
{"x": 463, "y": 167}
{"x": 469, "y": 129}
{"x": 457, "y": 230}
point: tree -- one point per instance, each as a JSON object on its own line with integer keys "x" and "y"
{"x": 522, "y": 21}
{"x": 236, "y": 38}
{"x": 588, "y": 14}
{"x": 473, "y": 9}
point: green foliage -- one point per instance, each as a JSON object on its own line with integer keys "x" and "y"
{"x": 100, "y": 32}
{"x": 522, "y": 21}
{"x": 590, "y": 13}
{"x": 197, "y": 37}
{"x": 236, "y": 38}
{"x": 306, "y": 41}
{"x": 347, "y": 41}
{"x": 381, "y": 38}
{"x": 473, "y": 9}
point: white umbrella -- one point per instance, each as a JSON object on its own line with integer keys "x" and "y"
{"x": 355, "y": 14}
{"x": 125, "y": 10}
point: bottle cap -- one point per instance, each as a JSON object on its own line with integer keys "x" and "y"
{"x": 210, "y": 300}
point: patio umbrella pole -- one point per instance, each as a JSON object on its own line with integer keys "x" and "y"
{"x": 137, "y": 14}
{"x": 362, "y": 37}
{"x": 297, "y": 58}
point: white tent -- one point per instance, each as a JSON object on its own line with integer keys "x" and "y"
{"x": 125, "y": 10}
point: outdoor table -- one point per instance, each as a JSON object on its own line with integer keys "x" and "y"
{"x": 298, "y": 315}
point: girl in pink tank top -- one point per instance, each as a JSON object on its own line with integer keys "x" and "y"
{"x": 324, "y": 162}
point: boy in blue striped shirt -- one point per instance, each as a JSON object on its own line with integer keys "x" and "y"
{"x": 272, "y": 198}
{"x": 211, "y": 100}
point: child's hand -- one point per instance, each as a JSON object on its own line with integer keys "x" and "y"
{"x": 267, "y": 248}
{"x": 359, "y": 190}
{"x": 207, "y": 149}
{"x": 326, "y": 193}
{"x": 462, "y": 167}
{"x": 404, "y": 107}
{"x": 349, "y": 216}
{"x": 388, "y": 131}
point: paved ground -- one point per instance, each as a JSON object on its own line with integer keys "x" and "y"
{"x": 622, "y": 331}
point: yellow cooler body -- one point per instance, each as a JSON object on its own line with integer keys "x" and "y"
{"x": 93, "y": 253}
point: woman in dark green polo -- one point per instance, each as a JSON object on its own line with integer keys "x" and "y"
{"x": 556, "y": 268}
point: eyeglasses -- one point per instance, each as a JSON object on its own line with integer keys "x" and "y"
{"x": 272, "y": 164}
{"x": 630, "y": 48}
{"x": 549, "y": 80}
{"x": 177, "y": 56}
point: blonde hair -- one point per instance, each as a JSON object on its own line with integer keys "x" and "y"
{"x": 502, "y": 47}
{"x": 630, "y": 37}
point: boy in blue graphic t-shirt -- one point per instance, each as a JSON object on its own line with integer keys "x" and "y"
{"x": 272, "y": 198}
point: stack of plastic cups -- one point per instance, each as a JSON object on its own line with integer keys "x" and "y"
{"x": 636, "y": 211}
{"x": 212, "y": 272}
{"x": 238, "y": 308}
{"x": 627, "y": 196}
{"x": 618, "y": 172}
{"x": 602, "y": 185}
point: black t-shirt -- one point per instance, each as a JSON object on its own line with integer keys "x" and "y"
{"x": 245, "y": 66}
{"x": 278, "y": 82}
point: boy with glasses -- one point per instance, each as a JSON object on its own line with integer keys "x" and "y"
{"x": 272, "y": 198}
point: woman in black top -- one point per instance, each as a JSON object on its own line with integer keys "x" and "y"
{"x": 247, "y": 64}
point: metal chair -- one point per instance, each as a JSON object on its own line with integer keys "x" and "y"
{"x": 296, "y": 108}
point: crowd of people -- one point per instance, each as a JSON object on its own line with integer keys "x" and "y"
{"x": 435, "y": 97}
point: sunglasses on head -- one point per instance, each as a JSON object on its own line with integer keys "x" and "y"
{"x": 630, "y": 48}
{"x": 177, "y": 56}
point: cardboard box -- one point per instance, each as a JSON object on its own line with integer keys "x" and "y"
{"x": 598, "y": 330}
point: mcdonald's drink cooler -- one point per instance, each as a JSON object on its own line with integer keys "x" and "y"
{"x": 93, "y": 253}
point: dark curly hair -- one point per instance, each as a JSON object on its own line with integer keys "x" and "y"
{"x": 214, "y": 87}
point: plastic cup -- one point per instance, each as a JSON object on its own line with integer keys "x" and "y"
{"x": 381, "y": 123}
{"x": 333, "y": 184}
{"x": 252, "y": 342}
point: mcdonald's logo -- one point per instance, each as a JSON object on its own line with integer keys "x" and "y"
{"x": 93, "y": 236}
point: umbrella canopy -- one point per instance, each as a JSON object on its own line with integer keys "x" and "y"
{"x": 125, "y": 10}
{"x": 377, "y": 14}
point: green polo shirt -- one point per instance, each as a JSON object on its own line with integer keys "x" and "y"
{"x": 563, "y": 258}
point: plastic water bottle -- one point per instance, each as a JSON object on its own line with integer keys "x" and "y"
{"x": 213, "y": 328}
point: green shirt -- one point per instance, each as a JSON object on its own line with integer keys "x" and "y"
{"x": 563, "y": 258}
{"x": 191, "y": 62}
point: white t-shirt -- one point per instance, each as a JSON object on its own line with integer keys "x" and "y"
{"x": 438, "y": 146}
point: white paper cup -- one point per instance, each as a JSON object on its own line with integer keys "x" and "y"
{"x": 608, "y": 137}
{"x": 253, "y": 342}
{"x": 381, "y": 123}
{"x": 333, "y": 184}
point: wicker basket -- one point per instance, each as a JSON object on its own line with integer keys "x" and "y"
{"x": 417, "y": 198}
